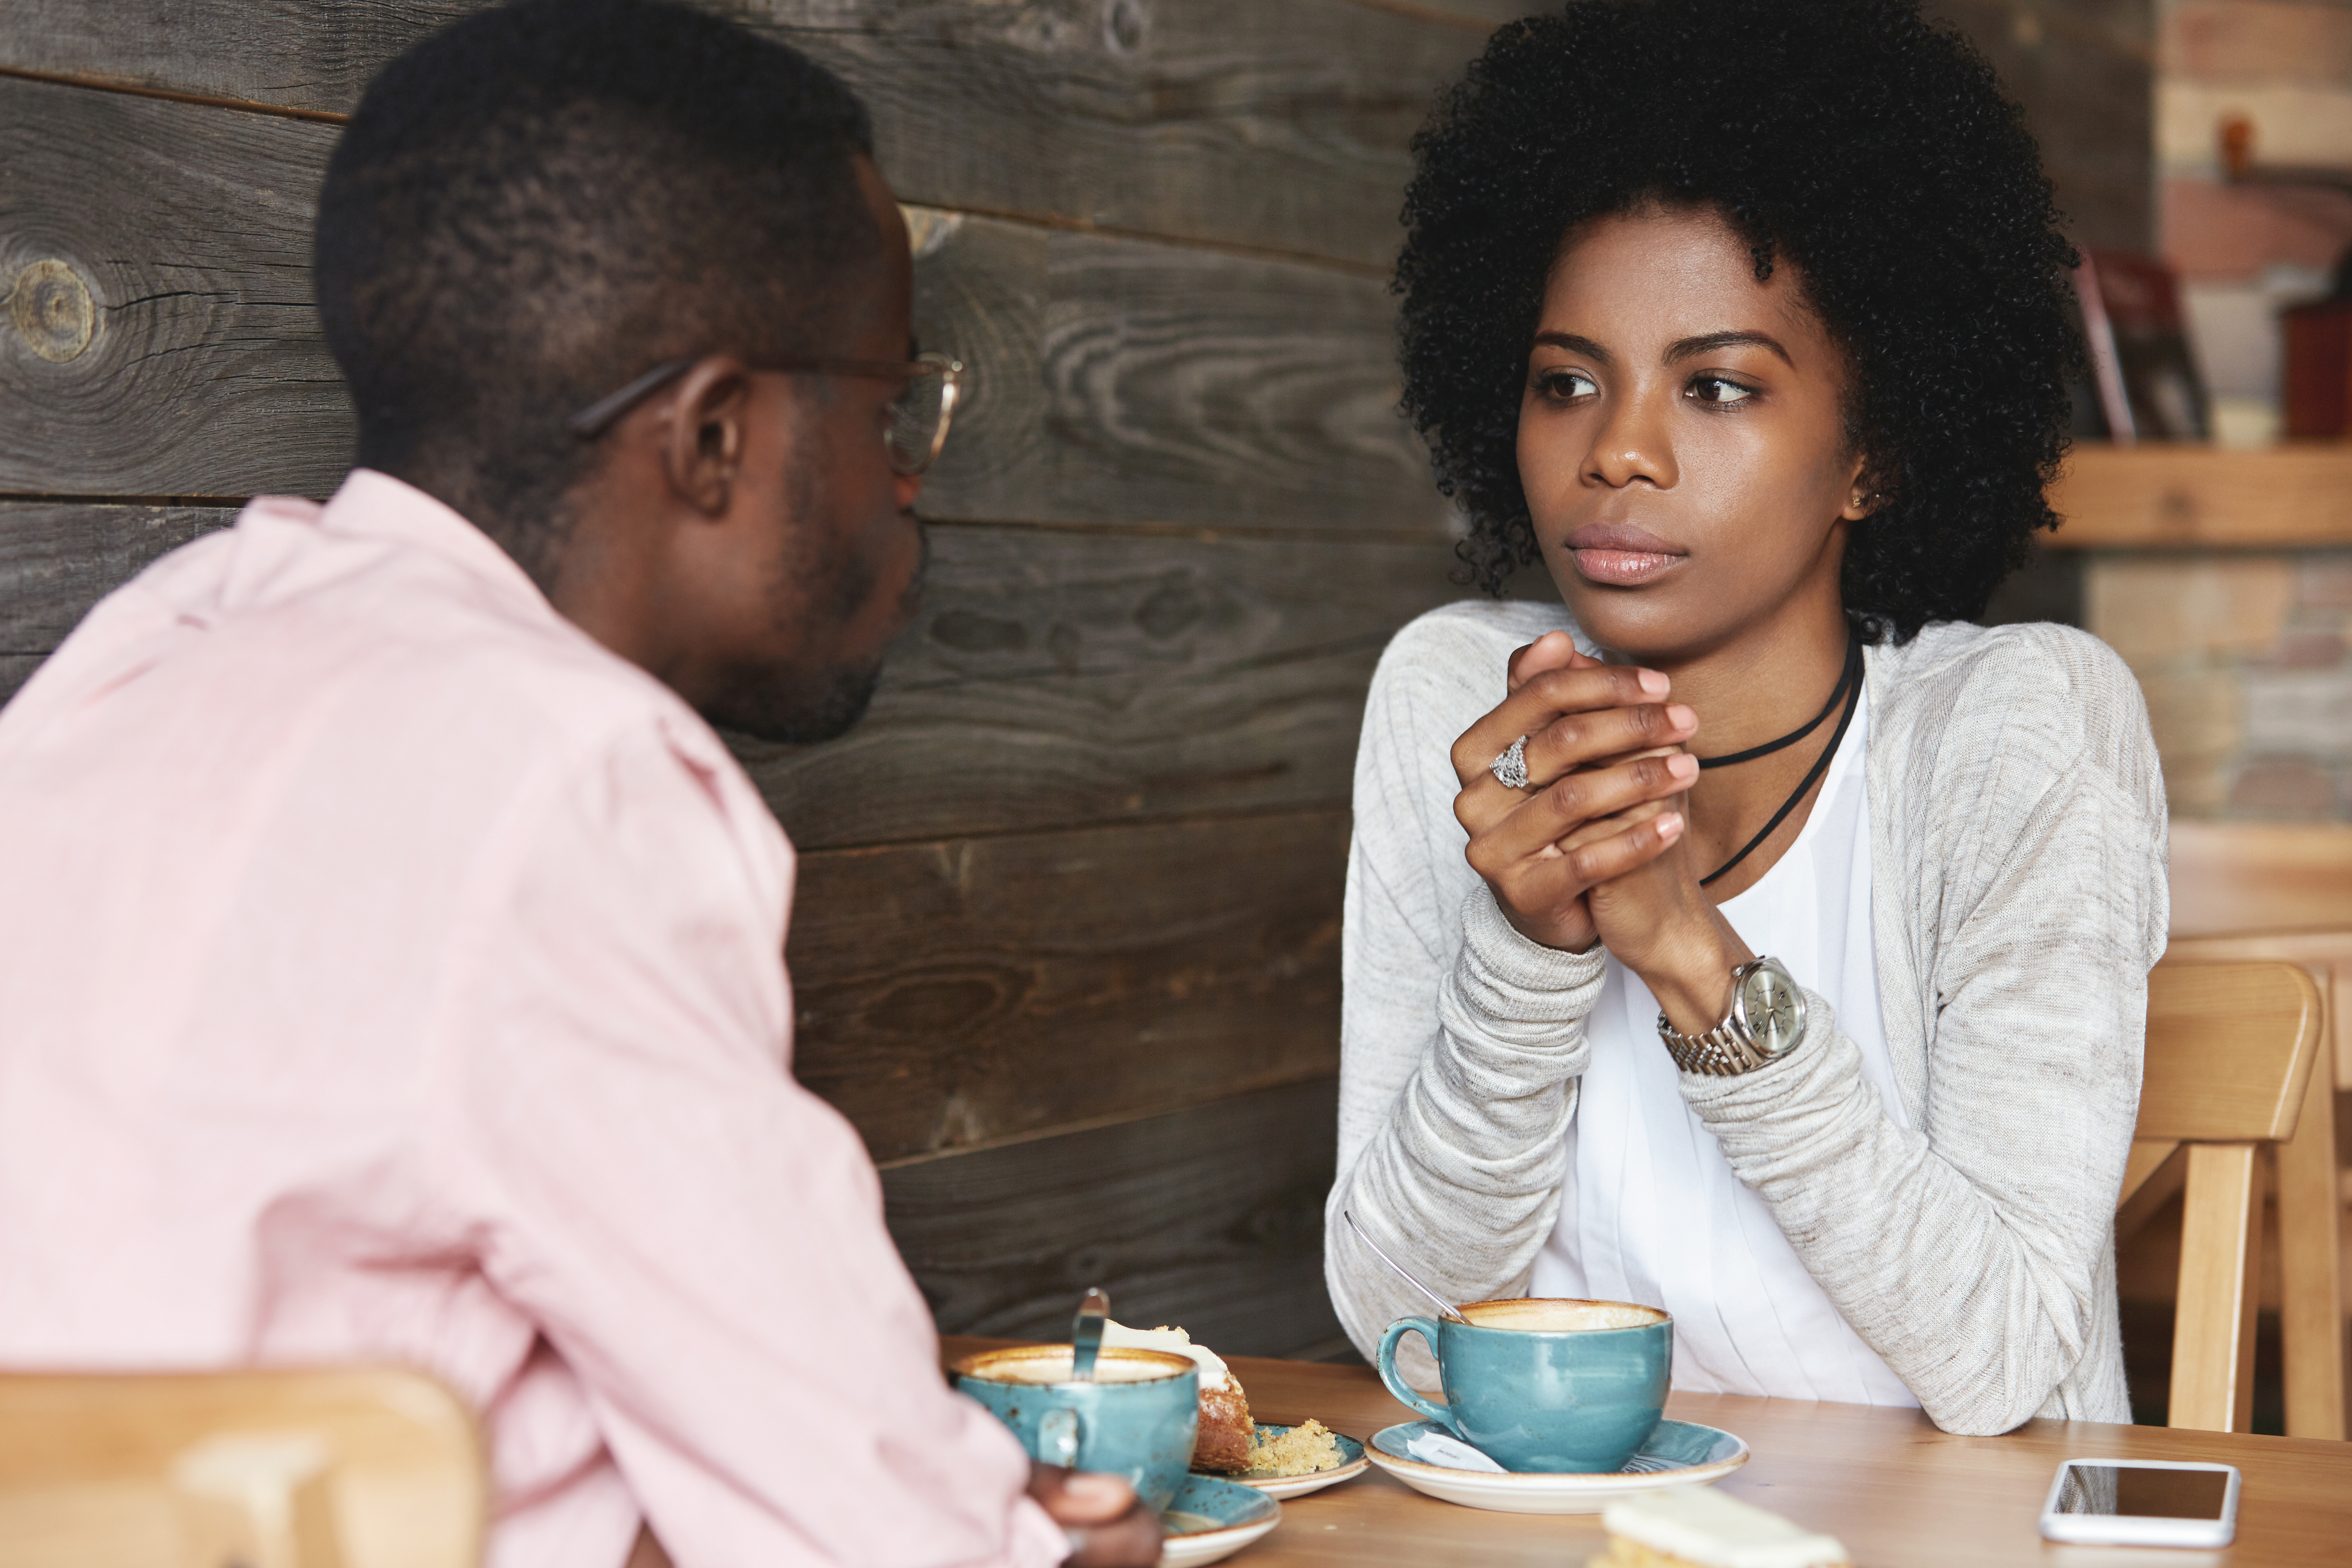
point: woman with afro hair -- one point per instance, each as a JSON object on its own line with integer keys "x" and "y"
{"x": 1731, "y": 927}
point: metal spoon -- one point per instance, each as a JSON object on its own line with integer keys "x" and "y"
{"x": 1087, "y": 1334}
{"x": 1442, "y": 1305}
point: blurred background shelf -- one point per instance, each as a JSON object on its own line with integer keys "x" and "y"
{"x": 2293, "y": 496}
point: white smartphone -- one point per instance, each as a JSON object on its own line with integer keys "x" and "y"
{"x": 2142, "y": 1502}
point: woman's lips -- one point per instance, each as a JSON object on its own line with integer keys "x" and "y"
{"x": 1622, "y": 568}
{"x": 1620, "y": 555}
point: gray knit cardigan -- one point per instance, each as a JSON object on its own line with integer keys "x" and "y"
{"x": 2018, "y": 902}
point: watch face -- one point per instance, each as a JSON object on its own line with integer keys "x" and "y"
{"x": 1771, "y": 1008}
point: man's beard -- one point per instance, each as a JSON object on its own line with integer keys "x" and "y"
{"x": 762, "y": 703}
{"x": 757, "y": 704}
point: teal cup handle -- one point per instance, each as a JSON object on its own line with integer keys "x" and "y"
{"x": 1406, "y": 1394}
{"x": 1059, "y": 1432}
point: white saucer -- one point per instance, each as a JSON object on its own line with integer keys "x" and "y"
{"x": 1678, "y": 1454}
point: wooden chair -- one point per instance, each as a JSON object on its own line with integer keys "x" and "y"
{"x": 2310, "y": 1186}
{"x": 2230, "y": 1049}
{"x": 347, "y": 1468}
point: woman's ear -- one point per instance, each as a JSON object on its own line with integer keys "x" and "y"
{"x": 702, "y": 443}
{"x": 1865, "y": 493}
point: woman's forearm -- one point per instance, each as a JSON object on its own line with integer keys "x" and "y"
{"x": 1971, "y": 1271}
{"x": 1460, "y": 1182}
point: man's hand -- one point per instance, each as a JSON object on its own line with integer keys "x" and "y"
{"x": 1601, "y": 745}
{"x": 1107, "y": 1525}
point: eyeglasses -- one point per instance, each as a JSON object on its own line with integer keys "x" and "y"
{"x": 918, "y": 416}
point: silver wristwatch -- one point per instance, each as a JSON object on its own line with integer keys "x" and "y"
{"x": 1766, "y": 1018}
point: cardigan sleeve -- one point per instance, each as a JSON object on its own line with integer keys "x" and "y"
{"x": 1460, "y": 1039}
{"x": 1971, "y": 1254}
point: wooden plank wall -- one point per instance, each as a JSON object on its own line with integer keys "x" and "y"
{"x": 1066, "y": 942}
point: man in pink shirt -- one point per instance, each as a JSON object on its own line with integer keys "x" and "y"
{"x": 393, "y": 952}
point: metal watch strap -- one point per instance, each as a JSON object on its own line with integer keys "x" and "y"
{"x": 1724, "y": 1051}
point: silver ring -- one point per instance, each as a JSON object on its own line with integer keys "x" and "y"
{"x": 1510, "y": 769}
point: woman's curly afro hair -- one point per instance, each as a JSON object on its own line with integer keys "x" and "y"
{"x": 1851, "y": 139}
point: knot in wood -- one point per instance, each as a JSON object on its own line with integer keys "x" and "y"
{"x": 51, "y": 309}
{"x": 1126, "y": 25}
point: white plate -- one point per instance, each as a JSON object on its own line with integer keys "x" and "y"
{"x": 1679, "y": 1453}
{"x": 1352, "y": 1464}
{"x": 1210, "y": 1519}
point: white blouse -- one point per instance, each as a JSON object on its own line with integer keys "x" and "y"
{"x": 1650, "y": 1210}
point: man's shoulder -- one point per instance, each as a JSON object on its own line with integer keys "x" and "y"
{"x": 360, "y": 650}
{"x": 411, "y": 611}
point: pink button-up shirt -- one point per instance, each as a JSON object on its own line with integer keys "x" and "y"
{"x": 387, "y": 971}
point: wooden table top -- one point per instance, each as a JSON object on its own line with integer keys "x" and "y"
{"x": 1898, "y": 1492}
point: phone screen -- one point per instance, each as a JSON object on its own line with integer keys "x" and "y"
{"x": 2143, "y": 1493}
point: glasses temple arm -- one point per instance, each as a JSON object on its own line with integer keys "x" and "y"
{"x": 598, "y": 417}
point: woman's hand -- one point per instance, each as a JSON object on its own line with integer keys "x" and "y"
{"x": 1600, "y": 755}
{"x": 1661, "y": 924}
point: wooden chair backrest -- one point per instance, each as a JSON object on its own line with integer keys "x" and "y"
{"x": 360, "y": 1467}
{"x": 2306, "y": 1177}
{"x": 2230, "y": 1048}
{"x": 2326, "y": 954}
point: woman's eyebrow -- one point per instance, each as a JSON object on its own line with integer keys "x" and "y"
{"x": 1686, "y": 347}
{"x": 1577, "y": 345}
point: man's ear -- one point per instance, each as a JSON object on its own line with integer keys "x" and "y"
{"x": 702, "y": 447}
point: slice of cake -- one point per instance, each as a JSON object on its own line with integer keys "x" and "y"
{"x": 1303, "y": 1450}
{"x": 1698, "y": 1527}
{"x": 1225, "y": 1426}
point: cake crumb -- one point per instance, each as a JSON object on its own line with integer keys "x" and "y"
{"x": 1301, "y": 1451}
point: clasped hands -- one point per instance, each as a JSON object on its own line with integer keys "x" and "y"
{"x": 1594, "y": 848}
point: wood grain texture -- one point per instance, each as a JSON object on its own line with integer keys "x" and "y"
{"x": 1114, "y": 381}
{"x": 1120, "y": 380}
{"x": 1211, "y": 1218}
{"x": 964, "y": 991}
{"x": 2206, "y": 497}
{"x": 190, "y": 228}
{"x": 1275, "y": 126}
{"x": 1054, "y": 679}
{"x": 58, "y": 560}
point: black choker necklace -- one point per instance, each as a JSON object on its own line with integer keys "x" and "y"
{"x": 1847, "y": 691}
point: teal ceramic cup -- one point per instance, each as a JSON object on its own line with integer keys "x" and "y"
{"x": 1137, "y": 1418}
{"x": 1544, "y": 1385}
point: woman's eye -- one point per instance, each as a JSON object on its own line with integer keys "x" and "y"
{"x": 1716, "y": 389}
{"x": 1563, "y": 386}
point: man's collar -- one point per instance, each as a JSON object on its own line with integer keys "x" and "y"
{"x": 372, "y": 503}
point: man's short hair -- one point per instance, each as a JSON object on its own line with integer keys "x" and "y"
{"x": 544, "y": 200}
